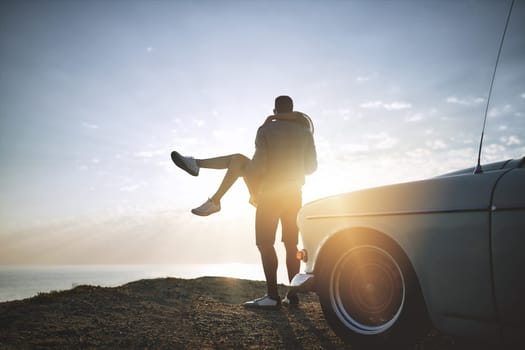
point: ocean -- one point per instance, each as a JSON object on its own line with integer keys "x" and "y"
{"x": 24, "y": 281}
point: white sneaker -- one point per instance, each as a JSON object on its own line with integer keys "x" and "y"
{"x": 209, "y": 207}
{"x": 188, "y": 164}
{"x": 266, "y": 302}
{"x": 291, "y": 300}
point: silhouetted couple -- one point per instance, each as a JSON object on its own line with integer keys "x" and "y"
{"x": 284, "y": 154}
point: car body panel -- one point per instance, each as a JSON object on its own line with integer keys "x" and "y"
{"x": 508, "y": 241}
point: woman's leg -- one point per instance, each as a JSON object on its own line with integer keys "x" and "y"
{"x": 234, "y": 164}
{"x": 222, "y": 162}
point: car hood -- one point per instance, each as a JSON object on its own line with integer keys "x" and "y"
{"x": 458, "y": 191}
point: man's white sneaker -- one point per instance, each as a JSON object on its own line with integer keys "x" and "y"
{"x": 188, "y": 164}
{"x": 209, "y": 207}
{"x": 266, "y": 302}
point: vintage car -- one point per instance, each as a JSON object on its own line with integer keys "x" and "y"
{"x": 448, "y": 252}
{"x": 389, "y": 262}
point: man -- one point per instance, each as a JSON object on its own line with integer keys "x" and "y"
{"x": 284, "y": 154}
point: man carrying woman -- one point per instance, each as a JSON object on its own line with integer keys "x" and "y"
{"x": 284, "y": 154}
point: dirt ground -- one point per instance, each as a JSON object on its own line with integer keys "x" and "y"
{"x": 170, "y": 313}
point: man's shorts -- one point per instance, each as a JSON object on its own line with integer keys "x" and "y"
{"x": 272, "y": 206}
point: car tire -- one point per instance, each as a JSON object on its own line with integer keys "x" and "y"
{"x": 370, "y": 295}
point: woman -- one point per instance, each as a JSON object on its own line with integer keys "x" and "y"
{"x": 237, "y": 165}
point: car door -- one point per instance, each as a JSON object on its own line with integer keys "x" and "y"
{"x": 506, "y": 125}
{"x": 508, "y": 256}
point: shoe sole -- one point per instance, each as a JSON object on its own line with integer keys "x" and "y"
{"x": 203, "y": 214}
{"x": 179, "y": 161}
{"x": 259, "y": 307}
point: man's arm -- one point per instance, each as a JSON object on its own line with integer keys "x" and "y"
{"x": 258, "y": 165}
{"x": 310, "y": 155}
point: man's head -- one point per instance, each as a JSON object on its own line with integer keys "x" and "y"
{"x": 283, "y": 104}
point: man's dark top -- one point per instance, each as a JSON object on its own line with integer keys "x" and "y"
{"x": 284, "y": 152}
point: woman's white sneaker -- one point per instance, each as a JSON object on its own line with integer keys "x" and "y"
{"x": 207, "y": 208}
{"x": 188, "y": 164}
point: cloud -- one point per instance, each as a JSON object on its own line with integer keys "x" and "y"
{"x": 199, "y": 122}
{"x": 500, "y": 111}
{"x": 414, "y": 118}
{"x": 494, "y": 149}
{"x": 387, "y": 143}
{"x": 511, "y": 140}
{"x": 129, "y": 188}
{"x": 397, "y": 106}
{"x": 469, "y": 101}
{"x": 221, "y": 134}
{"x": 382, "y": 140}
{"x": 362, "y": 79}
{"x": 419, "y": 153}
{"x": 345, "y": 113}
{"x": 354, "y": 148}
{"x": 392, "y": 106}
{"x": 87, "y": 125}
{"x": 371, "y": 104}
{"x": 150, "y": 154}
{"x": 159, "y": 236}
{"x": 128, "y": 184}
{"x": 436, "y": 144}
{"x": 522, "y": 95}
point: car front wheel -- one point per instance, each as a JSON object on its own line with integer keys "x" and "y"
{"x": 369, "y": 297}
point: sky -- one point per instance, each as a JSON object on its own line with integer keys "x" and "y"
{"x": 94, "y": 95}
